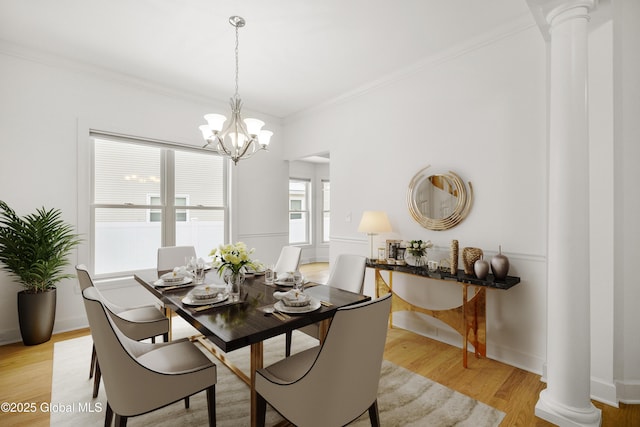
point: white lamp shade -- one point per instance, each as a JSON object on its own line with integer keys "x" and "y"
{"x": 374, "y": 222}
{"x": 215, "y": 121}
{"x": 206, "y": 131}
{"x": 265, "y": 137}
{"x": 253, "y": 126}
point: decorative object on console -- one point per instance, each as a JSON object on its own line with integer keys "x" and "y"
{"x": 439, "y": 201}
{"x": 469, "y": 257}
{"x": 392, "y": 250}
{"x": 453, "y": 260}
{"x": 418, "y": 250}
{"x": 500, "y": 265}
{"x": 372, "y": 223}
{"x": 481, "y": 268}
{"x": 239, "y": 139}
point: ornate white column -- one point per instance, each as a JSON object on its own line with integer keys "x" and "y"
{"x": 566, "y": 400}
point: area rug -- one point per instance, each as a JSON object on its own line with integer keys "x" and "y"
{"x": 405, "y": 399}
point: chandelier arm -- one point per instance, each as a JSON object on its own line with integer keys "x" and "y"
{"x": 249, "y": 143}
{"x": 223, "y": 147}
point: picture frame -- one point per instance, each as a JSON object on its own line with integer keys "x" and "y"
{"x": 392, "y": 248}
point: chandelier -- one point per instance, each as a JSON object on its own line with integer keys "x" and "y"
{"x": 235, "y": 138}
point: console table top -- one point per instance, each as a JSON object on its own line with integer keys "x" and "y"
{"x": 460, "y": 276}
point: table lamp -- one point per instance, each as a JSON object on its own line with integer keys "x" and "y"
{"x": 372, "y": 223}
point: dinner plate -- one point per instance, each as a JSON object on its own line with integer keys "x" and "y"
{"x": 314, "y": 304}
{"x": 162, "y": 284}
{"x": 188, "y": 300}
{"x": 284, "y": 282}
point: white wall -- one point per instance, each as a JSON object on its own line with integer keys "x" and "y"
{"x": 46, "y": 109}
{"x": 483, "y": 114}
{"x": 627, "y": 198}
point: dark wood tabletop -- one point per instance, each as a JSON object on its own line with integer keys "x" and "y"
{"x": 234, "y": 326}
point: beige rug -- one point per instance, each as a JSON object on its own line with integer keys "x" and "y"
{"x": 405, "y": 399}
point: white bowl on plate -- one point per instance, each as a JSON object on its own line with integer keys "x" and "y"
{"x": 295, "y": 299}
{"x": 207, "y": 291}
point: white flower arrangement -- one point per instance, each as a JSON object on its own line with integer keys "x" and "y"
{"x": 418, "y": 248}
{"x": 232, "y": 257}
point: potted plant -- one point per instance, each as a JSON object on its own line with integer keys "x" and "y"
{"x": 34, "y": 250}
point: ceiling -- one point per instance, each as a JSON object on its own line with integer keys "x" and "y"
{"x": 294, "y": 54}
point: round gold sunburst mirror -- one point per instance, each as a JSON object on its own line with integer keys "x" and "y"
{"x": 439, "y": 201}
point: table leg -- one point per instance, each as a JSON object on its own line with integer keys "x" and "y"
{"x": 465, "y": 338}
{"x": 169, "y": 314}
{"x": 257, "y": 360}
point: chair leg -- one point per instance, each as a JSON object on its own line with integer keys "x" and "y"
{"x": 287, "y": 345}
{"x": 108, "y": 416}
{"x": 96, "y": 380}
{"x": 165, "y": 336}
{"x": 153, "y": 340}
{"x": 261, "y": 413}
{"x": 211, "y": 405}
{"x": 186, "y": 402}
{"x": 121, "y": 421}
{"x": 93, "y": 361}
{"x": 374, "y": 415}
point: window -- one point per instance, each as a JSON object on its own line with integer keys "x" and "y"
{"x": 155, "y": 215}
{"x": 326, "y": 211}
{"x": 146, "y": 195}
{"x": 299, "y": 211}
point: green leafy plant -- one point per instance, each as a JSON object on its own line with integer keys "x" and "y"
{"x": 35, "y": 248}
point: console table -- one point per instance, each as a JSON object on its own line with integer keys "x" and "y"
{"x": 468, "y": 319}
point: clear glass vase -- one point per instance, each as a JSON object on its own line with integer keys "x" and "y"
{"x": 234, "y": 285}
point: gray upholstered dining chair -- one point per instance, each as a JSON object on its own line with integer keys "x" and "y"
{"x": 348, "y": 274}
{"x": 335, "y": 383}
{"x": 170, "y": 257}
{"x": 289, "y": 259}
{"x": 142, "y": 377}
{"x": 137, "y": 323}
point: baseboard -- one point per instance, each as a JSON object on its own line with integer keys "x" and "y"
{"x": 434, "y": 329}
{"x": 10, "y": 336}
{"x": 628, "y": 392}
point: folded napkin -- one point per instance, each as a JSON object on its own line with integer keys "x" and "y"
{"x": 182, "y": 271}
{"x": 292, "y": 297}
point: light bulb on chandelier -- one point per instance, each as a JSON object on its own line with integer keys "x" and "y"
{"x": 235, "y": 138}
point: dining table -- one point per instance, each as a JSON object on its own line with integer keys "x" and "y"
{"x": 226, "y": 325}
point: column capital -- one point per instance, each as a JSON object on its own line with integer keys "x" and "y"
{"x": 550, "y": 12}
{"x": 569, "y": 9}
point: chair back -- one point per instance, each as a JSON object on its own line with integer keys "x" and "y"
{"x": 132, "y": 387}
{"x": 137, "y": 323}
{"x": 342, "y": 382}
{"x": 348, "y": 273}
{"x": 84, "y": 279}
{"x": 170, "y": 257}
{"x": 289, "y": 259}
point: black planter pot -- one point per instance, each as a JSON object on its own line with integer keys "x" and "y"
{"x": 36, "y": 313}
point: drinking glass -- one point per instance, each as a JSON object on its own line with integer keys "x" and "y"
{"x": 199, "y": 272}
{"x": 269, "y": 275}
{"x": 297, "y": 280}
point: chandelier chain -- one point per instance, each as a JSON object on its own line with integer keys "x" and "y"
{"x": 237, "y": 66}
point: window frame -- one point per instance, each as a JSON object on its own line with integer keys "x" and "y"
{"x": 308, "y": 211}
{"x": 325, "y": 211}
{"x": 167, "y": 186}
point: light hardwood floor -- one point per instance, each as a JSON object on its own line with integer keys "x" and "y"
{"x": 25, "y": 376}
